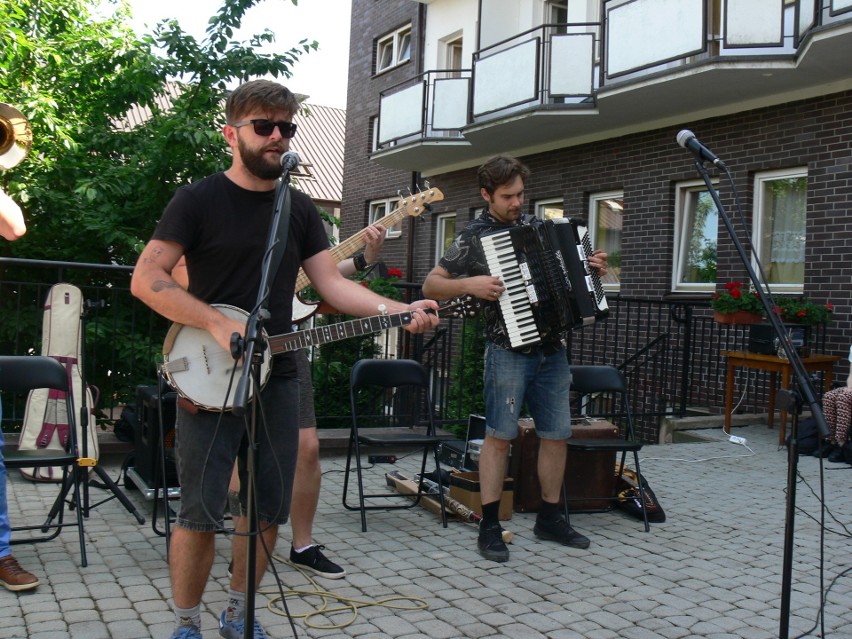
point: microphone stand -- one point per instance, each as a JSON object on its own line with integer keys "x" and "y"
{"x": 804, "y": 392}
{"x": 252, "y": 348}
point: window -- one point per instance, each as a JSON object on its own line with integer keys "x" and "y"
{"x": 445, "y": 233}
{"x": 450, "y": 51}
{"x": 696, "y": 235}
{"x": 374, "y": 133}
{"x": 605, "y": 220}
{"x": 556, "y": 13}
{"x": 549, "y": 209}
{"x": 393, "y": 49}
{"x": 780, "y": 214}
{"x": 380, "y": 208}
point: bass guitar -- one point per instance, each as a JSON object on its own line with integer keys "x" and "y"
{"x": 203, "y": 372}
{"x": 413, "y": 205}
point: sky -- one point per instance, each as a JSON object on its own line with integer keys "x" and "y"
{"x": 320, "y": 74}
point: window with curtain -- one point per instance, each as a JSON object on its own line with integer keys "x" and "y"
{"x": 695, "y": 238}
{"x": 779, "y": 229}
{"x": 605, "y": 223}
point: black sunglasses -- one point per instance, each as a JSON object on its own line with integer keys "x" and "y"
{"x": 264, "y": 127}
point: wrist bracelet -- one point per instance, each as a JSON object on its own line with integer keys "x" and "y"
{"x": 360, "y": 262}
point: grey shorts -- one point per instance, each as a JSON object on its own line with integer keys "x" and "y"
{"x": 307, "y": 417}
{"x": 206, "y": 446}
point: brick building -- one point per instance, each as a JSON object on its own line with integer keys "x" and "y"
{"x": 591, "y": 96}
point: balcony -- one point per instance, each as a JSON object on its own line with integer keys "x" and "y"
{"x": 571, "y": 84}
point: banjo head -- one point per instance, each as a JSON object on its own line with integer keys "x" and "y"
{"x": 200, "y": 370}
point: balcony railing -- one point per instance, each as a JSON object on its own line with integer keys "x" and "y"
{"x": 570, "y": 67}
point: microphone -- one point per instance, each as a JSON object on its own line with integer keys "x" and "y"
{"x": 687, "y": 140}
{"x": 289, "y": 160}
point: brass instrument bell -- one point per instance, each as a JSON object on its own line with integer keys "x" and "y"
{"x": 16, "y": 137}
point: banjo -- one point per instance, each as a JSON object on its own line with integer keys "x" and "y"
{"x": 413, "y": 205}
{"x": 203, "y": 372}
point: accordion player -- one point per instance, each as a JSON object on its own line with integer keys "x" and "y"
{"x": 550, "y": 287}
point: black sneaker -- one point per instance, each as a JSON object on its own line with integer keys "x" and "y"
{"x": 559, "y": 530}
{"x": 490, "y": 543}
{"x": 312, "y": 559}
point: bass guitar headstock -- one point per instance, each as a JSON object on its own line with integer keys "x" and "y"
{"x": 415, "y": 203}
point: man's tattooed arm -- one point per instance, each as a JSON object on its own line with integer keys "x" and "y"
{"x": 162, "y": 285}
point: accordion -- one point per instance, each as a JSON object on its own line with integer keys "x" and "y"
{"x": 550, "y": 287}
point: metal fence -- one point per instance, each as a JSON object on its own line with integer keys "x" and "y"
{"x": 669, "y": 351}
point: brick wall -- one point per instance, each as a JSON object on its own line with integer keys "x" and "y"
{"x": 647, "y": 166}
{"x": 814, "y": 133}
{"x": 364, "y": 181}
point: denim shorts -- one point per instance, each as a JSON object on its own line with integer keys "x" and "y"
{"x": 206, "y": 448}
{"x": 542, "y": 381}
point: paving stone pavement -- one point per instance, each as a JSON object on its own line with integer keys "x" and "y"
{"x": 713, "y": 569}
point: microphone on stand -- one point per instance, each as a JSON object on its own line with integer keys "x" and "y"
{"x": 687, "y": 140}
{"x": 289, "y": 160}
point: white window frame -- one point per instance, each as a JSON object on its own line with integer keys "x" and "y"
{"x": 757, "y": 222}
{"x": 397, "y": 44}
{"x": 679, "y": 251}
{"x": 545, "y": 209}
{"x": 594, "y": 200}
{"x": 390, "y": 205}
{"x": 441, "y": 234}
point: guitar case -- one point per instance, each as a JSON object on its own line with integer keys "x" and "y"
{"x": 46, "y": 424}
{"x": 588, "y": 474}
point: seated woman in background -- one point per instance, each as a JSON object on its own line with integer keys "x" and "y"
{"x": 837, "y": 407}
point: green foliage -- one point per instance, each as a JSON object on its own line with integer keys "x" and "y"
{"x": 331, "y": 370}
{"x": 801, "y": 310}
{"x": 92, "y": 188}
{"x": 466, "y": 385}
{"x": 734, "y": 299}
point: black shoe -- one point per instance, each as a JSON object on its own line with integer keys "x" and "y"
{"x": 836, "y": 455}
{"x": 312, "y": 559}
{"x": 825, "y": 451}
{"x": 490, "y": 543}
{"x": 559, "y": 530}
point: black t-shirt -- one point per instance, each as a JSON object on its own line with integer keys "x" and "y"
{"x": 223, "y": 229}
{"x": 465, "y": 257}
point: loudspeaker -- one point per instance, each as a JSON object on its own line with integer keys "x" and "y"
{"x": 147, "y": 434}
{"x": 762, "y": 339}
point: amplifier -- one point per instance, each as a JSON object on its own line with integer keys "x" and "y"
{"x": 762, "y": 338}
{"x": 147, "y": 434}
{"x": 451, "y": 453}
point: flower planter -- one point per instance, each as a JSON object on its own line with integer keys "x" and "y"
{"x": 739, "y": 317}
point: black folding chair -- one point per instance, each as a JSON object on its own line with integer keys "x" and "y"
{"x": 391, "y": 408}
{"x": 24, "y": 374}
{"x": 607, "y": 382}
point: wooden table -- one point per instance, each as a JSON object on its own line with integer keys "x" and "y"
{"x": 774, "y": 365}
